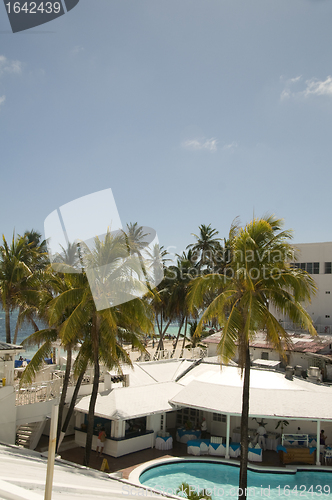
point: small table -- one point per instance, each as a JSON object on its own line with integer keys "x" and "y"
{"x": 164, "y": 443}
{"x": 184, "y": 435}
{"x": 255, "y": 454}
{"x": 272, "y": 442}
{"x": 234, "y": 450}
{"x": 198, "y": 447}
{"x": 328, "y": 455}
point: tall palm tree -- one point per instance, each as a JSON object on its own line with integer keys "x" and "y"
{"x": 107, "y": 327}
{"x": 41, "y": 295}
{"x": 16, "y": 260}
{"x": 206, "y": 246}
{"x": 258, "y": 276}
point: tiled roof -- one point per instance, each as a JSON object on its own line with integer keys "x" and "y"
{"x": 301, "y": 343}
{"x": 9, "y": 347}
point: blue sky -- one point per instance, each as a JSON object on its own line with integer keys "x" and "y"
{"x": 193, "y": 112}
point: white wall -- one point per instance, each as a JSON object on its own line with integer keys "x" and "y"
{"x": 212, "y": 350}
{"x": 34, "y": 412}
{"x": 117, "y": 448}
{"x": 7, "y": 415}
{"x": 256, "y": 353}
{"x": 321, "y": 303}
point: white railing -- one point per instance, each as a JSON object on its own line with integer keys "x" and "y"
{"x": 187, "y": 353}
{"x": 38, "y": 392}
{"x": 320, "y": 328}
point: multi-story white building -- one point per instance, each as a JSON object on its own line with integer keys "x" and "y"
{"x": 316, "y": 259}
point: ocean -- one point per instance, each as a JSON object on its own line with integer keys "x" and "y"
{"x": 27, "y": 330}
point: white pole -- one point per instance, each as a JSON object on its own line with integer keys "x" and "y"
{"x": 51, "y": 453}
{"x": 228, "y": 425}
{"x": 318, "y": 443}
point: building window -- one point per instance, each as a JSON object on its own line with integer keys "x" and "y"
{"x": 219, "y": 417}
{"x": 310, "y": 267}
{"x": 328, "y": 267}
{"x": 328, "y": 291}
{"x": 187, "y": 414}
{"x": 264, "y": 355}
{"x": 327, "y": 315}
{"x": 316, "y": 267}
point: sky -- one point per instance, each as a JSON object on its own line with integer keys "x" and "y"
{"x": 192, "y": 111}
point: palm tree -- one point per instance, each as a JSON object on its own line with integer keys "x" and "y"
{"x": 15, "y": 266}
{"x": 41, "y": 295}
{"x": 206, "y": 247}
{"x": 109, "y": 326}
{"x": 259, "y": 276}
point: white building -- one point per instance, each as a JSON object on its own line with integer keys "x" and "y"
{"x": 316, "y": 259}
{"x": 166, "y": 394}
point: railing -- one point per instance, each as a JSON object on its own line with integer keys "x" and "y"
{"x": 320, "y": 328}
{"x": 38, "y": 392}
{"x": 295, "y": 439}
{"x": 188, "y": 353}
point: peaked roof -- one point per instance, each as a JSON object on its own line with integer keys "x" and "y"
{"x": 277, "y": 403}
{"x": 132, "y": 402}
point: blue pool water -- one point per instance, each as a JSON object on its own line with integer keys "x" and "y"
{"x": 221, "y": 481}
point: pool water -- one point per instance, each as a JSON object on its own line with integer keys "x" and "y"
{"x": 221, "y": 481}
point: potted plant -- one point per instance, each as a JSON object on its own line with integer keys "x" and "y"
{"x": 282, "y": 424}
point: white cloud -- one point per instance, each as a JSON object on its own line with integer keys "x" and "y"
{"x": 317, "y": 87}
{"x": 6, "y": 66}
{"x": 198, "y": 144}
{"x": 2, "y": 99}
{"x": 231, "y": 146}
{"x": 311, "y": 87}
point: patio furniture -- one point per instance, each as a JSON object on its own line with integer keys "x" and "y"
{"x": 272, "y": 441}
{"x": 328, "y": 455}
{"x": 198, "y": 447}
{"x": 234, "y": 450}
{"x": 290, "y": 454}
{"x": 217, "y": 449}
{"x": 164, "y": 442}
{"x": 255, "y": 454}
{"x": 184, "y": 435}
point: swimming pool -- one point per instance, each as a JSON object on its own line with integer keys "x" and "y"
{"x": 221, "y": 481}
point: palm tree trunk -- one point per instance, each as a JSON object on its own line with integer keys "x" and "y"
{"x": 160, "y": 345}
{"x": 184, "y": 337}
{"x": 72, "y": 402}
{"x": 63, "y": 393}
{"x": 94, "y": 394}
{"x": 7, "y": 319}
{"x": 244, "y": 428}
{"x": 17, "y": 326}
{"x": 177, "y": 337}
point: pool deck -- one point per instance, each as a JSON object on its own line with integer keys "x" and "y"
{"x": 126, "y": 464}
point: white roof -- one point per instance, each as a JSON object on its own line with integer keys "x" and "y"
{"x": 266, "y": 362}
{"x": 165, "y": 370}
{"x": 25, "y": 471}
{"x": 146, "y": 373}
{"x": 132, "y": 402}
{"x": 279, "y": 403}
{"x": 231, "y": 376}
{"x": 271, "y": 393}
